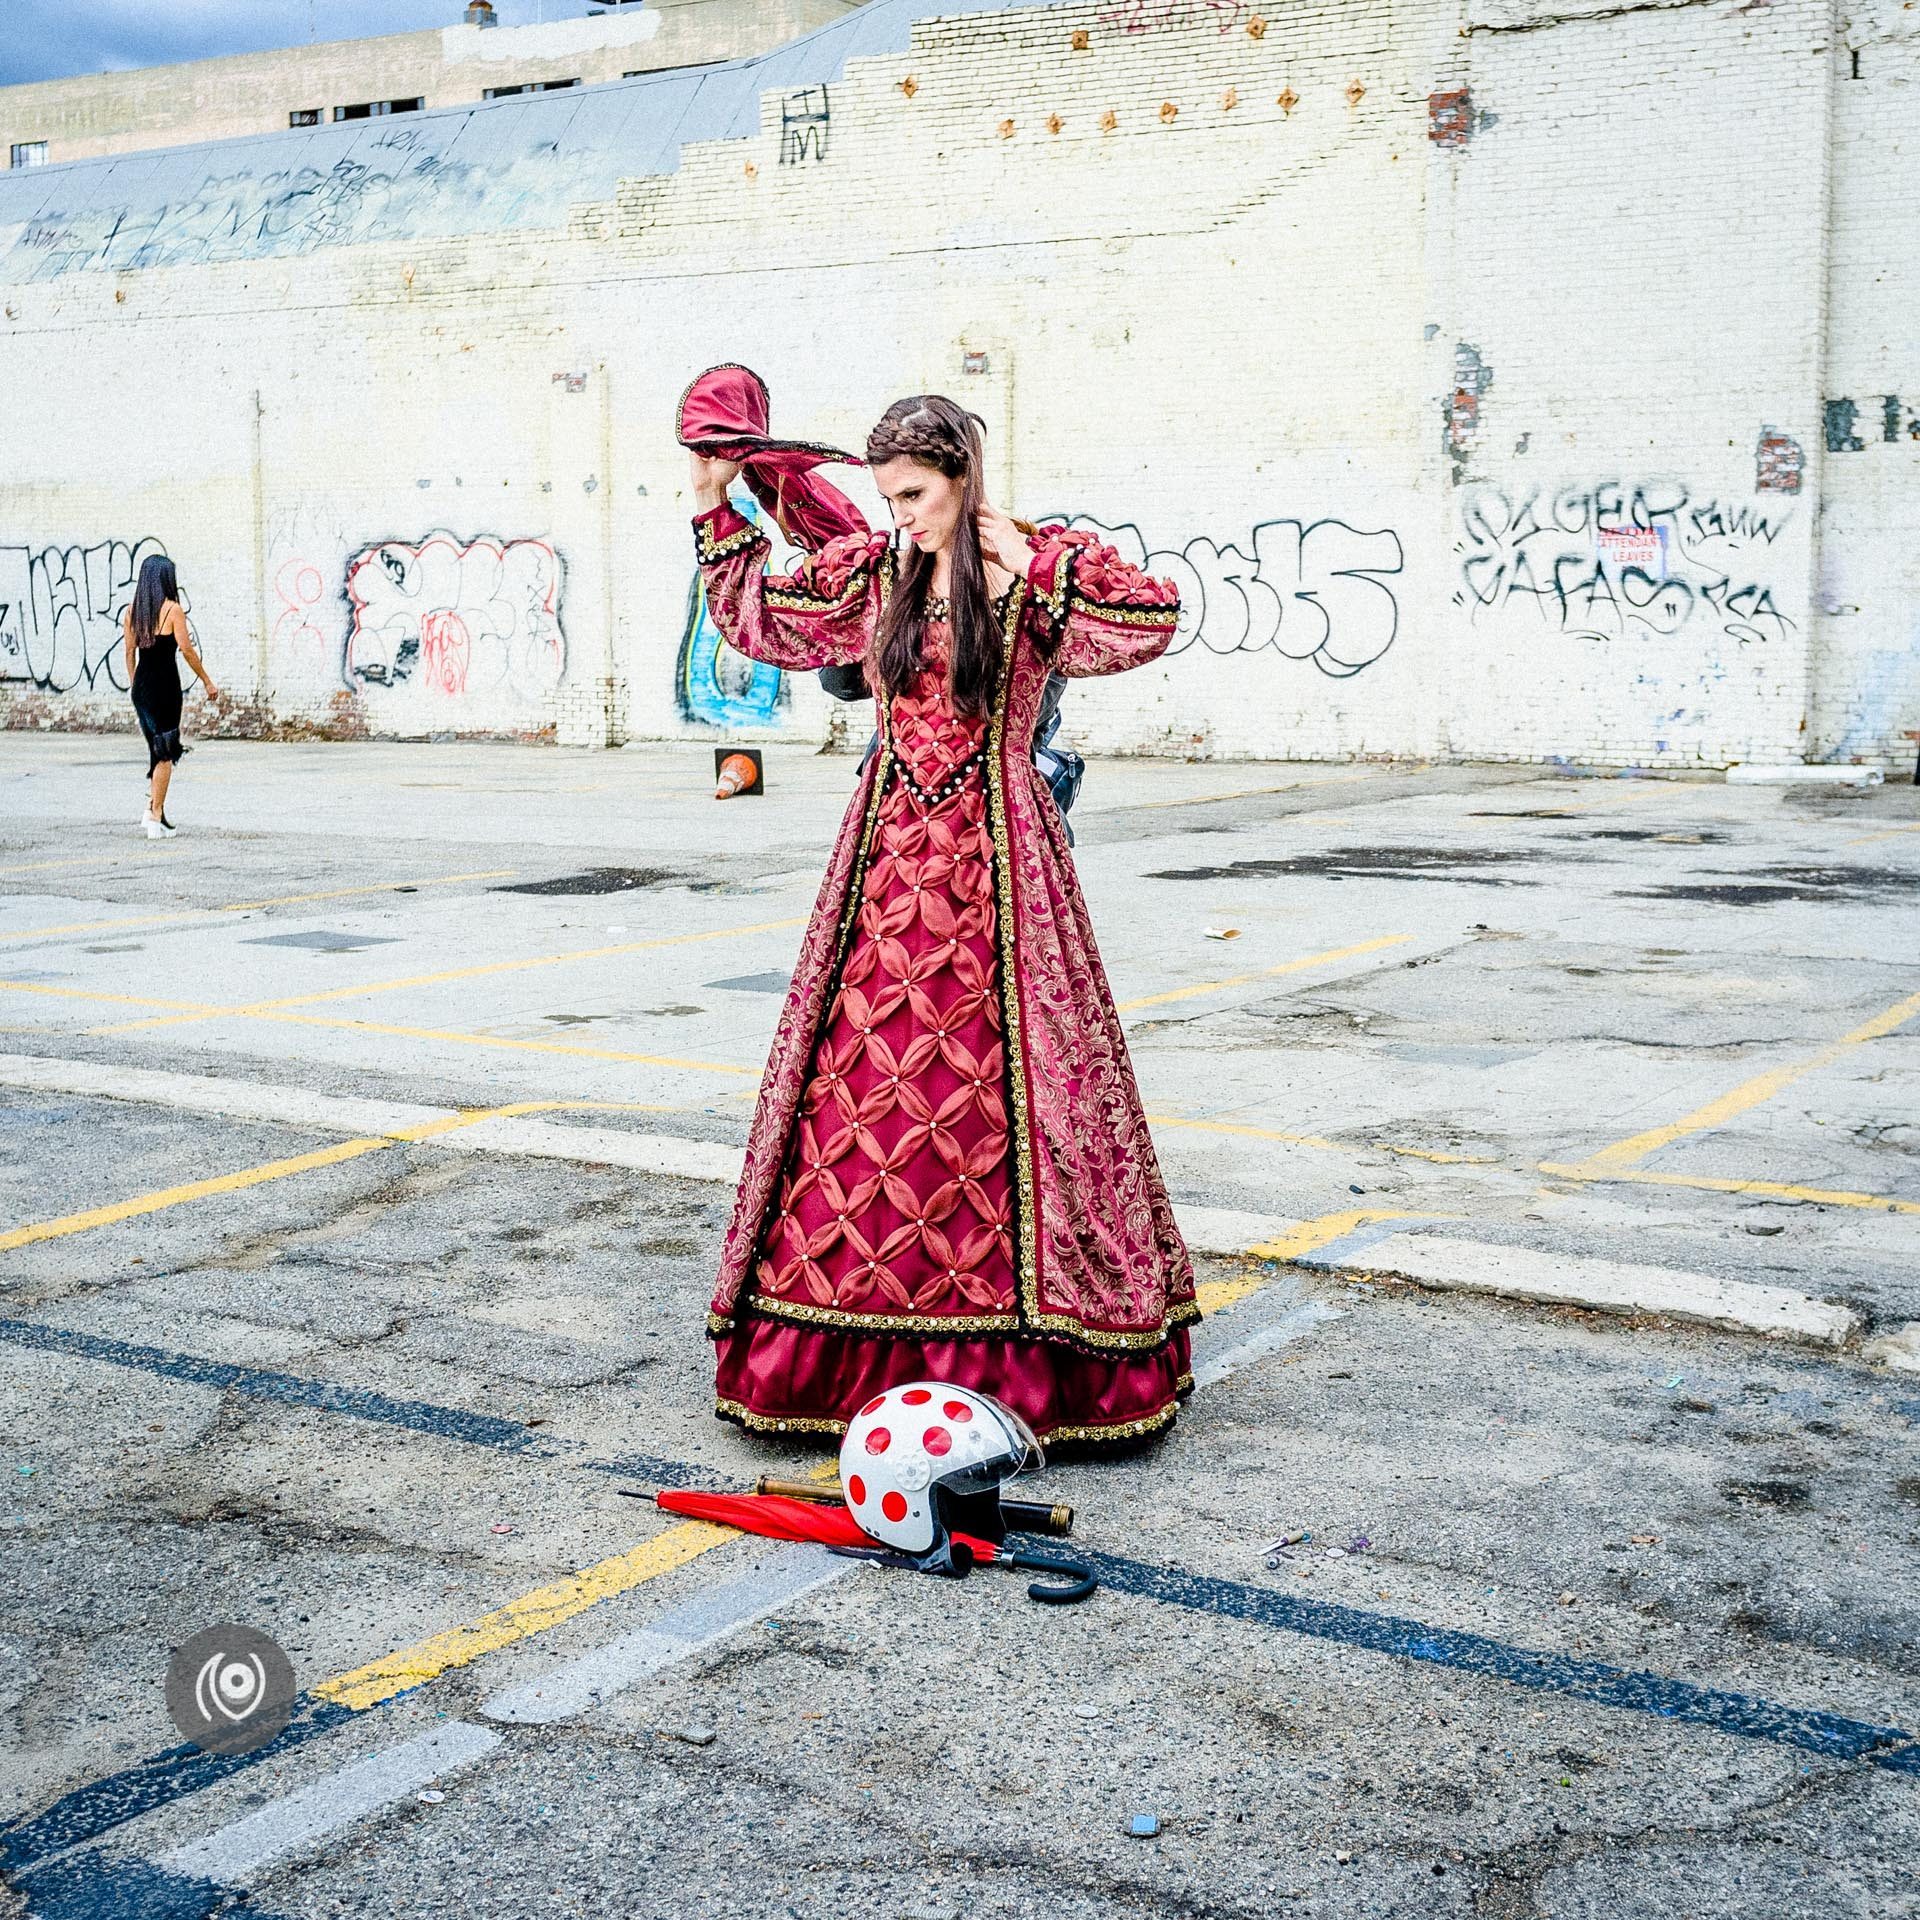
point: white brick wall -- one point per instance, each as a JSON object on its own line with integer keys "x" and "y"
{"x": 1456, "y": 443}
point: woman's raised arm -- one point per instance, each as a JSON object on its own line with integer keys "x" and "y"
{"x": 1103, "y": 615}
{"x": 820, "y": 615}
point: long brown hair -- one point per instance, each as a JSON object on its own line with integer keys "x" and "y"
{"x": 941, "y": 434}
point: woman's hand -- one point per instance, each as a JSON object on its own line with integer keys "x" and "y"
{"x": 212, "y": 692}
{"x": 711, "y": 479}
{"x": 1002, "y": 541}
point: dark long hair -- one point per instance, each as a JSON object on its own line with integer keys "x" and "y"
{"x": 158, "y": 584}
{"x": 938, "y": 433}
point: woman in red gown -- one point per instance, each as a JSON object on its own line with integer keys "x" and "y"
{"x": 949, "y": 1175}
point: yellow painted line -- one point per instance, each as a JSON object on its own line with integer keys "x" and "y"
{"x": 1266, "y": 973}
{"x": 98, "y": 860}
{"x": 195, "y": 1190}
{"x": 1772, "y": 1189}
{"x": 1216, "y": 1295}
{"x": 99, "y": 999}
{"x": 253, "y": 906}
{"x": 197, "y": 1010}
{"x": 256, "y": 1008}
{"x": 450, "y": 1037}
{"x": 1627, "y": 1153}
{"x": 1247, "y": 1133}
{"x": 1886, "y": 833}
{"x": 1440, "y": 1159}
{"x": 281, "y": 1169}
{"x": 519, "y": 1619}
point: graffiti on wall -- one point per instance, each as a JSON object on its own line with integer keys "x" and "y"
{"x": 1312, "y": 590}
{"x": 1163, "y": 16}
{"x": 449, "y": 619}
{"x": 1620, "y": 560}
{"x": 224, "y": 219}
{"x": 1886, "y": 417}
{"x": 711, "y": 682}
{"x": 60, "y": 612}
{"x": 806, "y": 119}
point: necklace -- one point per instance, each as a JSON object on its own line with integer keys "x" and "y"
{"x": 939, "y": 607}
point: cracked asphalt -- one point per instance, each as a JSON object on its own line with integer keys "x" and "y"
{"x": 360, "y": 1404}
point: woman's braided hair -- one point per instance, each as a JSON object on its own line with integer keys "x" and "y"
{"x": 941, "y": 434}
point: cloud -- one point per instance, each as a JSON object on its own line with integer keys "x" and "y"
{"x": 47, "y": 39}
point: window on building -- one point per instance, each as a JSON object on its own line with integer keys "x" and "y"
{"x": 529, "y": 86}
{"x": 304, "y": 117}
{"x": 29, "y": 153}
{"x": 374, "y": 109}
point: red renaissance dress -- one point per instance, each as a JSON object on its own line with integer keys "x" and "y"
{"x": 949, "y": 1175}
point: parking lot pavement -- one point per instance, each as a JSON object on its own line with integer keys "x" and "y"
{"x": 1599, "y": 1611}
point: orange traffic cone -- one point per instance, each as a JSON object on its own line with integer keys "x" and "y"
{"x": 739, "y": 773}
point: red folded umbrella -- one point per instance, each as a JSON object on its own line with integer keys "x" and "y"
{"x": 724, "y": 413}
{"x": 779, "y": 1518}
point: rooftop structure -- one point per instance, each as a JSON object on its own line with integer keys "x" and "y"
{"x": 472, "y": 59}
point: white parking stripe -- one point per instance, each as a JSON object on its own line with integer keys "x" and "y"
{"x": 1264, "y": 1341}
{"x": 581, "y": 1684}
{"x": 1389, "y": 1248}
{"x": 236, "y": 1853}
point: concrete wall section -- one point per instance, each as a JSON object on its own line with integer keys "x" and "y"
{"x": 1866, "y": 612}
{"x": 1465, "y": 368}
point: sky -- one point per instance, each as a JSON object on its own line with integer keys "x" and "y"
{"x": 46, "y": 39}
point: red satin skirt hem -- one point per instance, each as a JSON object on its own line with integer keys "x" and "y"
{"x": 777, "y": 1377}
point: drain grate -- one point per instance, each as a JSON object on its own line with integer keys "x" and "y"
{"x": 321, "y": 941}
{"x": 597, "y": 880}
{"x": 756, "y": 983}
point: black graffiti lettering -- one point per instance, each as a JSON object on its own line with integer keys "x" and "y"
{"x": 60, "y": 613}
{"x": 1615, "y": 556}
{"x": 1312, "y": 590}
{"x": 806, "y": 119}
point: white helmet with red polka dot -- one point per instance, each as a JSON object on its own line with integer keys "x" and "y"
{"x": 924, "y": 1461}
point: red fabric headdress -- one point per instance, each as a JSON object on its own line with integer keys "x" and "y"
{"x": 724, "y": 414}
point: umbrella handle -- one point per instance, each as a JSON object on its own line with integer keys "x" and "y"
{"x": 1081, "y": 1581}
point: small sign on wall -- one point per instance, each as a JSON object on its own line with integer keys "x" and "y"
{"x": 1642, "y": 548}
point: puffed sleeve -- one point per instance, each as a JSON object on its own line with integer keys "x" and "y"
{"x": 1103, "y": 616}
{"x": 820, "y": 615}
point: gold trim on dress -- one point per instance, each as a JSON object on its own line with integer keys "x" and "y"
{"x": 1005, "y": 931}
{"x": 1052, "y": 1436}
{"x": 711, "y": 550}
{"x": 775, "y": 1423}
{"x": 1054, "y": 600}
{"x": 1168, "y": 617}
{"x": 770, "y": 1307}
{"x": 1120, "y": 1430}
{"x": 796, "y": 600}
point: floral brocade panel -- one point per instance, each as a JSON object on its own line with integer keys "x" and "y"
{"x": 895, "y": 1200}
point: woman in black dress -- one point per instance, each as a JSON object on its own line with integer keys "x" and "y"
{"x": 157, "y": 639}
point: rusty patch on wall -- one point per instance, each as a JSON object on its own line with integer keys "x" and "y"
{"x": 1471, "y": 378}
{"x": 1450, "y": 116}
{"x": 1778, "y": 462}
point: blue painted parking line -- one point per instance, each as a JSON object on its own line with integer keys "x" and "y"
{"x": 158, "y": 1781}
{"x": 358, "y": 1403}
{"x": 1831, "y": 1735}
{"x": 92, "y": 1887}
{"x": 422, "y": 1416}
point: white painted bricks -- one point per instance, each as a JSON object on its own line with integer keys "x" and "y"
{"x": 1463, "y": 438}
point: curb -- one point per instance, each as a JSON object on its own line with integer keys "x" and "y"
{"x": 1365, "y": 1244}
